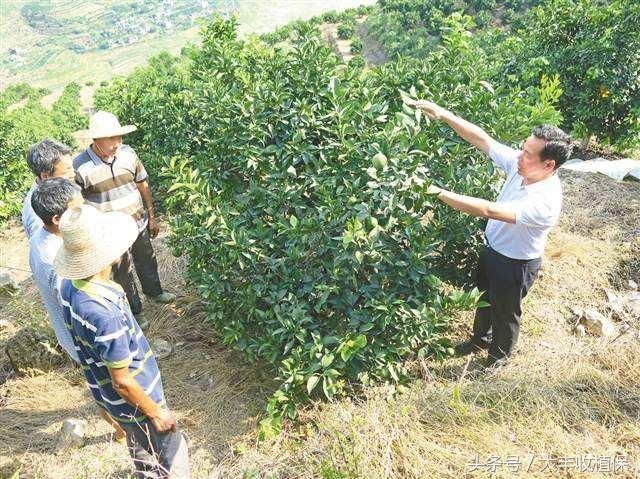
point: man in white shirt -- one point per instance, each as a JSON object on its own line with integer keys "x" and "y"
{"x": 46, "y": 159}
{"x": 519, "y": 222}
{"x": 50, "y": 199}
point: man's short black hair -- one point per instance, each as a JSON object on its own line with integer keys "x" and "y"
{"x": 43, "y": 156}
{"x": 51, "y": 198}
{"x": 558, "y": 145}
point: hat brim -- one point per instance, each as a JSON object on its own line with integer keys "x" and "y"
{"x": 117, "y": 233}
{"x": 91, "y": 134}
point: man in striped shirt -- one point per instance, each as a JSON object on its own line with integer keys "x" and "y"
{"x": 49, "y": 200}
{"x": 119, "y": 366}
{"x": 113, "y": 178}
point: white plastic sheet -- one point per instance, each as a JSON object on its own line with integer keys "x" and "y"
{"x": 616, "y": 169}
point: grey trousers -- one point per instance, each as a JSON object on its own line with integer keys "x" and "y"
{"x": 142, "y": 255}
{"x": 505, "y": 282}
{"x": 157, "y": 455}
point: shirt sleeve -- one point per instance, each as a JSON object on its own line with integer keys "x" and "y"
{"x": 505, "y": 157}
{"x": 30, "y": 221}
{"x": 80, "y": 181}
{"x": 55, "y": 283}
{"x": 112, "y": 339}
{"x": 534, "y": 212}
{"x": 141, "y": 174}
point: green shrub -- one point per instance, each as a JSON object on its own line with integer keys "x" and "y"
{"x": 593, "y": 46}
{"x": 346, "y": 30}
{"x": 330, "y": 17}
{"x": 356, "y": 45}
{"x": 297, "y": 188}
{"x": 21, "y": 125}
{"x": 357, "y": 61}
{"x": 67, "y": 114}
{"x": 595, "y": 50}
{"x": 484, "y": 5}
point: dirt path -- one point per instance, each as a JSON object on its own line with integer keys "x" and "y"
{"x": 560, "y": 395}
{"x": 372, "y": 51}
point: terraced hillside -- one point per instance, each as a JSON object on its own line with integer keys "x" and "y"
{"x": 50, "y": 44}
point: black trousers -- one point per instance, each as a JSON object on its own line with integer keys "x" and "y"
{"x": 504, "y": 282}
{"x": 142, "y": 255}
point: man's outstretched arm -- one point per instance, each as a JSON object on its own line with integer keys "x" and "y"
{"x": 475, "y": 206}
{"x": 467, "y": 130}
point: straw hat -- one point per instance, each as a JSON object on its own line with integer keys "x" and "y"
{"x": 92, "y": 240}
{"x": 103, "y": 124}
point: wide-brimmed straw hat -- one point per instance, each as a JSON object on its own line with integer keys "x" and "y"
{"x": 103, "y": 124}
{"x": 92, "y": 240}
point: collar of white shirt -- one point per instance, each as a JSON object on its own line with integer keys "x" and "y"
{"x": 539, "y": 185}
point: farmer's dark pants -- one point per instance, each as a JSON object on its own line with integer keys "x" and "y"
{"x": 155, "y": 454}
{"x": 504, "y": 282}
{"x": 146, "y": 264}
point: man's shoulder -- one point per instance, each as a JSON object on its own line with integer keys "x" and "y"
{"x": 503, "y": 155}
{"x": 126, "y": 148}
{"x": 83, "y": 302}
{"x": 27, "y": 198}
{"x": 44, "y": 245}
{"x": 81, "y": 159}
{"x": 551, "y": 188}
{"x": 128, "y": 153}
{"x": 92, "y": 309}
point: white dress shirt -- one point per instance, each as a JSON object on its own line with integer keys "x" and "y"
{"x": 537, "y": 208}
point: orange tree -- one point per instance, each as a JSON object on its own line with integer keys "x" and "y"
{"x": 594, "y": 48}
{"x": 297, "y": 186}
{"x": 24, "y": 121}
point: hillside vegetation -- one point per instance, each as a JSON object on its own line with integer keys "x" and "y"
{"x": 297, "y": 187}
{"x": 323, "y": 286}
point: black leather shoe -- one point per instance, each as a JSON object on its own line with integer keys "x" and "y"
{"x": 469, "y": 347}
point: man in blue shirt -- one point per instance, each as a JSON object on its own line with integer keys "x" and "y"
{"x": 49, "y": 200}
{"x": 119, "y": 366}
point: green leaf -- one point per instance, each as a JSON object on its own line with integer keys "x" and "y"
{"x": 361, "y": 340}
{"x": 294, "y": 221}
{"x": 270, "y": 427}
{"x": 328, "y": 387}
{"x": 326, "y": 360}
{"x": 487, "y": 86}
{"x": 329, "y": 340}
{"x": 312, "y": 382}
{"x": 392, "y": 372}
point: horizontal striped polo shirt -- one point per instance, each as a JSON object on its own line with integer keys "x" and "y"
{"x": 112, "y": 186}
{"x": 106, "y": 335}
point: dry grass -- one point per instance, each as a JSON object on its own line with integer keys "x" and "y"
{"x": 560, "y": 397}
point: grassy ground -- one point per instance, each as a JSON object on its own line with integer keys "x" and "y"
{"x": 561, "y": 400}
